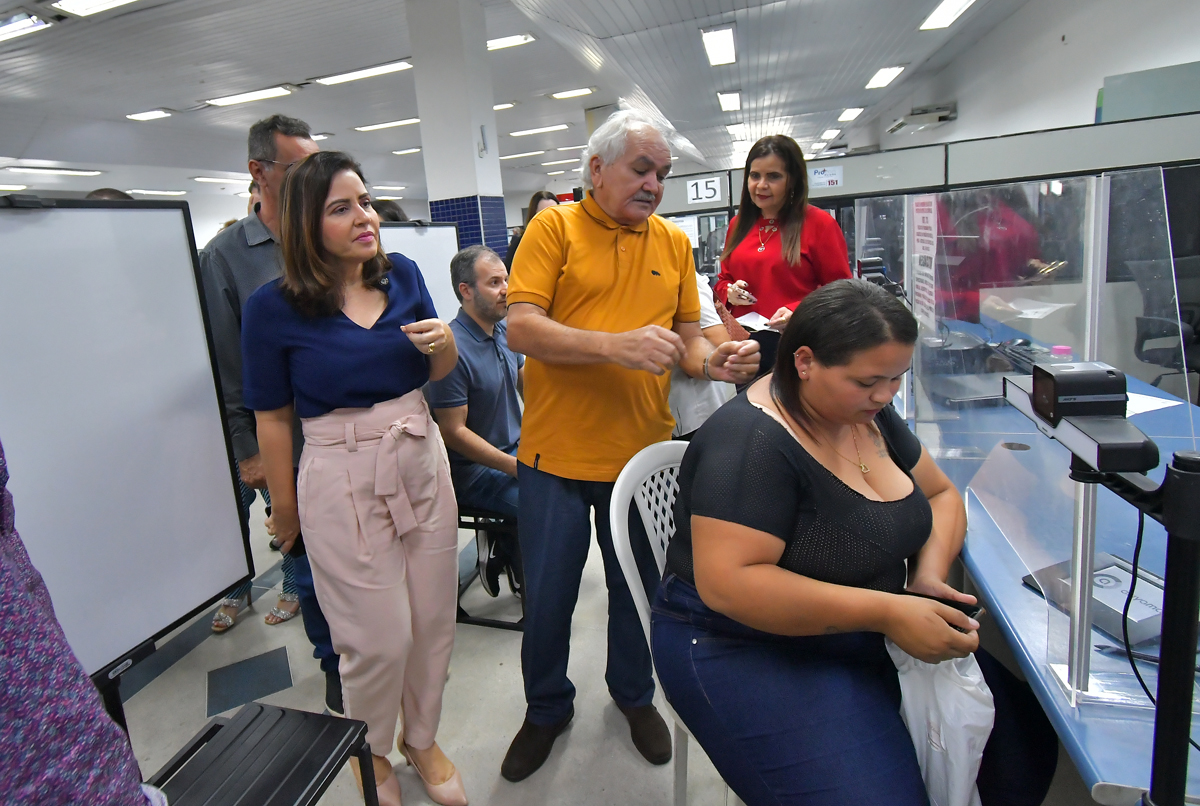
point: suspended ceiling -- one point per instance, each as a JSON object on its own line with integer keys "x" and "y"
{"x": 64, "y": 92}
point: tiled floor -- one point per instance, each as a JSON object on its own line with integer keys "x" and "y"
{"x": 594, "y": 762}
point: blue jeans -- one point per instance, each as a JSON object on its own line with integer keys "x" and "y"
{"x": 555, "y": 533}
{"x": 483, "y": 488}
{"x": 815, "y": 720}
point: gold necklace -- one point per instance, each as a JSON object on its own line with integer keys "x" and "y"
{"x": 768, "y": 228}
{"x": 854, "y": 436}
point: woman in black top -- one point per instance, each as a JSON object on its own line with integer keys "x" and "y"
{"x": 805, "y": 508}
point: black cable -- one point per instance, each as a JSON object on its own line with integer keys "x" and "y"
{"x": 1137, "y": 551}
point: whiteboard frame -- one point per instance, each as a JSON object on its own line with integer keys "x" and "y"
{"x": 132, "y": 655}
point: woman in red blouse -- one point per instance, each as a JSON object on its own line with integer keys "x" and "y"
{"x": 779, "y": 248}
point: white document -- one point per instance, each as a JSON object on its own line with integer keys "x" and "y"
{"x": 754, "y": 321}
{"x": 1032, "y": 309}
{"x": 1140, "y": 404}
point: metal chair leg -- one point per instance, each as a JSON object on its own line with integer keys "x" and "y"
{"x": 366, "y": 769}
{"x": 681, "y": 765}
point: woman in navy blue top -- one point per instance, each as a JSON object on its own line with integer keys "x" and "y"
{"x": 346, "y": 339}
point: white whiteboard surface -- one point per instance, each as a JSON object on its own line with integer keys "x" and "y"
{"x": 111, "y": 424}
{"x": 431, "y": 247}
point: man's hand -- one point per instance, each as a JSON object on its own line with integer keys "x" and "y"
{"x": 252, "y": 473}
{"x": 735, "y": 361}
{"x": 779, "y": 319}
{"x": 651, "y": 348}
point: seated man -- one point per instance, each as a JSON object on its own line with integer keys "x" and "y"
{"x": 477, "y": 409}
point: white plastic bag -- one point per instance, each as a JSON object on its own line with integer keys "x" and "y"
{"x": 949, "y": 712}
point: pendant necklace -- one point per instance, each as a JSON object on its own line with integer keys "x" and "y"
{"x": 770, "y": 229}
{"x": 861, "y": 466}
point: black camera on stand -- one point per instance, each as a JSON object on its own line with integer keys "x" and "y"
{"x": 1082, "y": 406}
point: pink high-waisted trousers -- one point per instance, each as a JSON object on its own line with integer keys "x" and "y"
{"x": 380, "y": 524}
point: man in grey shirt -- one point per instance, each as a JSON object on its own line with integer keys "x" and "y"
{"x": 237, "y": 262}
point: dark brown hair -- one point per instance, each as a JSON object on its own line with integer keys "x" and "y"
{"x": 836, "y": 322}
{"x": 537, "y": 198}
{"x": 791, "y": 216}
{"x": 311, "y": 283}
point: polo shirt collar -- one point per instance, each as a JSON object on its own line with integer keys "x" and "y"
{"x": 471, "y": 326}
{"x": 593, "y": 209}
{"x": 256, "y": 231}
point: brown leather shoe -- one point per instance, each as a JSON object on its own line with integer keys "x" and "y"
{"x": 649, "y": 732}
{"x": 530, "y": 748}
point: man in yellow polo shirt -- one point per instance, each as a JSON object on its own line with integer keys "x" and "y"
{"x": 603, "y": 302}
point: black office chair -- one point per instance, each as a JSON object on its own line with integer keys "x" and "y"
{"x": 1162, "y": 319}
{"x": 502, "y": 529}
{"x": 266, "y": 756}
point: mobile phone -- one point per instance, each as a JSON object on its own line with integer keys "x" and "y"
{"x": 971, "y": 610}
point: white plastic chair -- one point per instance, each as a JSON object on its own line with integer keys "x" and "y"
{"x": 650, "y": 479}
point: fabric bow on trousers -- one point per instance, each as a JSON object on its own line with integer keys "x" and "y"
{"x": 380, "y": 523}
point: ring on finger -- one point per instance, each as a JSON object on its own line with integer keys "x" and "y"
{"x": 431, "y": 347}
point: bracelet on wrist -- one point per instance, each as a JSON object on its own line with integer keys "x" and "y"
{"x": 706, "y": 372}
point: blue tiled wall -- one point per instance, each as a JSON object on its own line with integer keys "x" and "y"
{"x": 480, "y": 219}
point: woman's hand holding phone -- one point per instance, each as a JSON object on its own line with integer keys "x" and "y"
{"x": 930, "y": 630}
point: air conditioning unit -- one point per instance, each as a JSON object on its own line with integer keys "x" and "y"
{"x": 925, "y": 117}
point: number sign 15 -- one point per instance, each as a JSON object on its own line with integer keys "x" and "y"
{"x": 706, "y": 190}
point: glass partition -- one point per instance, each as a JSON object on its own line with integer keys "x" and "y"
{"x": 1140, "y": 330}
{"x": 878, "y": 231}
{"x": 1006, "y": 277}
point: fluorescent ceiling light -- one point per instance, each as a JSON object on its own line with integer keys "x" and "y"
{"x": 404, "y": 151}
{"x": 523, "y": 154}
{"x": 540, "y": 130}
{"x": 388, "y": 198}
{"x": 674, "y": 158}
{"x": 571, "y": 93}
{"x": 322, "y": 136}
{"x": 884, "y": 76}
{"x": 850, "y": 114}
{"x": 157, "y": 192}
{"x": 217, "y": 180}
{"x": 53, "y": 171}
{"x": 738, "y": 131}
{"x": 247, "y": 97}
{"x": 153, "y": 114}
{"x": 719, "y": 46}
{"x": 830, "y": 134}
{"x": 391, "y": 124}
{"x": 554, "y": 173}
{"x": 945, "y": 14}
{"x": 387, "y": 187}
{"x": 83, "y": 8}
{"x": 21, "y": 24}
{"x": 368, "y": 72}
{"x": 509, "y": 41}
{"x": 572, "y": 148}
{"x": 503, "y": 106}
{"x": 817, "y": 146}
{"x": 245, "y": 194}
{"x": 561, "y": 162}
{"x": 730, "y": 101}
{"x": 13, "y": 188}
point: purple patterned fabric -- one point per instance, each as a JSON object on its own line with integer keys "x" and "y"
{"x": 57, "y": 744}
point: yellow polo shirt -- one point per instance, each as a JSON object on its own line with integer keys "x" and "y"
{"x": 588, "y": 272}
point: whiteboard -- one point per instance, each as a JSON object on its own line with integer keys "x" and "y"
{"x": 430, "y": 246}
{"x": 120, "y": 469}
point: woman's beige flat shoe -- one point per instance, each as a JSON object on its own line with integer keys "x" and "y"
{"x": 448, "y": 793}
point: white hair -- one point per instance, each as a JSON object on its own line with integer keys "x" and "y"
{"x": 610, "y": 140}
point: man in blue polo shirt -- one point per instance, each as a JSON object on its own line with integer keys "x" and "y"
{"x": 477, "y": 406}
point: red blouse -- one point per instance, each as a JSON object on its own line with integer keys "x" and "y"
{"x": 771, "y": 279}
